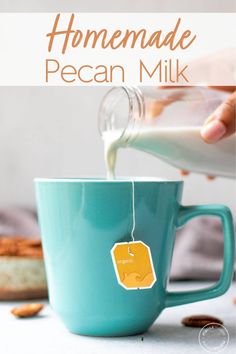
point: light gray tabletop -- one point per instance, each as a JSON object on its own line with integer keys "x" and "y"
{"x": 46, "y": 334}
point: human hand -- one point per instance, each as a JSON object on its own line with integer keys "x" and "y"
{"x": 221, "y": 123}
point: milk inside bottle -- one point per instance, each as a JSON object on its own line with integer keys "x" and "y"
{"x": 165, "y": 123}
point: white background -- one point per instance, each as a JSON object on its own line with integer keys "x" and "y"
{"x": 53, "y": 131}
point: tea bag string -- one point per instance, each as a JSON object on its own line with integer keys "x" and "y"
{"x": 133, "y": 212}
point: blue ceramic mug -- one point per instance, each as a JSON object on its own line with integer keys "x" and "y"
{"x": 82, "y": 219}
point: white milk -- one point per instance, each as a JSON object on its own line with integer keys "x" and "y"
{"x": 181, "y": 147}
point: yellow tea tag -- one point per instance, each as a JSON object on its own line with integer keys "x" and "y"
{"x": 133, "y": 265}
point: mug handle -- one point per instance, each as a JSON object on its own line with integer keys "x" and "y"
{"x": 186, "y": 213}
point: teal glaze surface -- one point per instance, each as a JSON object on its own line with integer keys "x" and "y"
{"x": 80, "y": 221}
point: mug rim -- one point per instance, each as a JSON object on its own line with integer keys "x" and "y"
{"x": 104, "y": 180}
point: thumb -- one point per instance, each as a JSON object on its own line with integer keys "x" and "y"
{"x": 221, "y": 122}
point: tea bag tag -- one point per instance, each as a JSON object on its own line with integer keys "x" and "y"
{"x": 133, "y": 265}
{"x": 133, "y": 260}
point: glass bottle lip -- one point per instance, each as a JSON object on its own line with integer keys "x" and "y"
{"x": 125, "y": 109}
{"x": 135, "y": 113}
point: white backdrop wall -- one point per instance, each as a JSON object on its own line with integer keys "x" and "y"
{"x": 118, "y": 5}
{"x": 53, "y": 131}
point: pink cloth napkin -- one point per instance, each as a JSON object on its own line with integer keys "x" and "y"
{"x": 18, "y": 222}
{"x": 198, "y": 251}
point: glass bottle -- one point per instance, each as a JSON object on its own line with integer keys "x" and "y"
{"x": 166, "y": 123}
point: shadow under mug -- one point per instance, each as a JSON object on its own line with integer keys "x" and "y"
{"x": 82, "y": 219}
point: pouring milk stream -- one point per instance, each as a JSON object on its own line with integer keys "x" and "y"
{"x": 165, "y": 123}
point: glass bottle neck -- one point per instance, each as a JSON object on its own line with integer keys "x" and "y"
{"x": 122, "y": 111}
